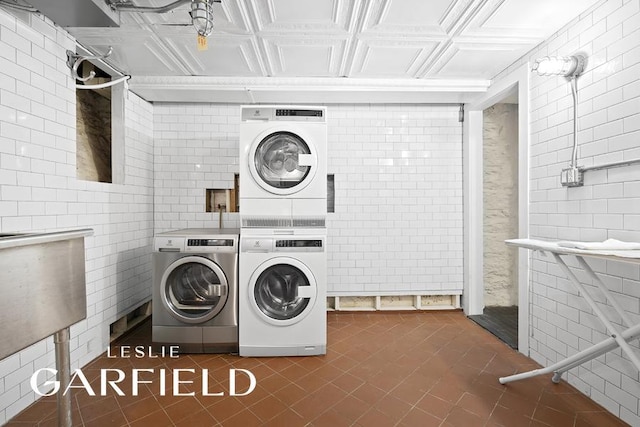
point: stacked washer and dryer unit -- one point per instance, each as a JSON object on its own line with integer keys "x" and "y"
{"x": 283, "y": 209}
{"x": 260, "y": 290}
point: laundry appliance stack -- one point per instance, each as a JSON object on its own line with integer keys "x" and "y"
{"x": 283, "y": 209}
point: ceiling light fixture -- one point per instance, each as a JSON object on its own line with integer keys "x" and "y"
{"x": 566, "y": 66}
{"x": 569, "y": 67}
{"x": 201, "y": 11}
{"x": 202, "y": 17}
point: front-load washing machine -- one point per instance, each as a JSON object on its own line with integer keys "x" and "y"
{"x": 195, "y": 299}
{"x": 282, "y": 295}
{"x": 283, "y": 162}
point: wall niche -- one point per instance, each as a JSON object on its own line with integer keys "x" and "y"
{"x": 93, "y": 128}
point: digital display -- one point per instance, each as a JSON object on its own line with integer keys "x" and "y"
{"x": 299, "y": 113}
{"x": 298, "y": 243}
{"x": 210, "y": 242}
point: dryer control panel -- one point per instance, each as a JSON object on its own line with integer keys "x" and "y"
{"x": 288, "y": 244}
{"x": 292, "y": 114}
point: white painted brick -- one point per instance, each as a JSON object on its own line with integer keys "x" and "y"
{"x": 623, "y": 13}
{"x": 609, "y": 129}
{"x": 609, "y": 221}
{"x": 624, "y": 77}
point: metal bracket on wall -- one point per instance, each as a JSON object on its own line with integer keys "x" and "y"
{"x": 74, "y": 60}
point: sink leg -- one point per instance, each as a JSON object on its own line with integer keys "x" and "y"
{"x": 63, "y": 366}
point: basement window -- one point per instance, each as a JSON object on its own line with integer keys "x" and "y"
{"x": 99, "y": 128}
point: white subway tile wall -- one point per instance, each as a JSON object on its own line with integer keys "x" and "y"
{"x": 606, "y": 207}
{"x": 196, "y": 148}
{"x": 39, "y": 192}
{"x": 397, "y": 225}
{"x": 398, "y": 180}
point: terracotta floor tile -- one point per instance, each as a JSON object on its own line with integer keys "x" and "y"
{"x": 381, "y": 369}
{"x": 223, "y": 409}
{"x": 268, "y": 408}
{"x": 348, "y": 382}
{"x": 553, "y": 417}
{"x": 393, "y": 407}
{"x": 477, "y": 404}
{"x": 331, "y": 418}
{"x": 109, "y": 419}
{"x": 36, "y": 412}
{"x": 448, "y": 389}
{"x": 460, "y": 417}
{"x": 435, "y": 406}
{"x": 597, "y": 419}
{"x": 98, "y": 408}
{"x": 290, "y": 394}
{"x": 417, "y": 417}
{"x": 375, "y": 418}
{"x": 183, "y": 409}
{"x": 351, "y": 408}
{"x": 369, "y": 394}
{"x": 52, "y": 420}
{"x": 201, "y": 418}
{"x": 287, "y": 418}
{"x": 502, "y": 416}
{"x": 155, "y": 419}
{"x": 244, "y": 419}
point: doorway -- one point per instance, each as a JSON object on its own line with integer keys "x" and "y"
{"x": 500, "y": 220}
{"x": 512, "y": 88}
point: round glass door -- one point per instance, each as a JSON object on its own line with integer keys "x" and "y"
{"x": 283, "y": 292}
{"x": 281, "y": 162}
{"x": 195, "y": 289}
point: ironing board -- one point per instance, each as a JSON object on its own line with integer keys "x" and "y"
{"x": 626, "y": 252}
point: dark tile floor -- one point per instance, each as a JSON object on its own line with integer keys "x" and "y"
{"x": 381, "y": 369}
{"x": 501, "y": 322}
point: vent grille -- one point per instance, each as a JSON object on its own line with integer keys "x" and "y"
{"x": 261, "y": 222}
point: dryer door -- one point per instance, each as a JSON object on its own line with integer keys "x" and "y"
{"x": 194, "y": 289}
{"x": 283, "y": 161}
{"x": 282, "y": 291}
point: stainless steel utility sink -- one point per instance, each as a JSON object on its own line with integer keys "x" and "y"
{"x": 42, "y": 279}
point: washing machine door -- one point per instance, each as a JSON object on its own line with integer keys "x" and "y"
{"x": 283, "y": 161}
{"x": 282, "y": 291}
{"x": 194, "y": 289}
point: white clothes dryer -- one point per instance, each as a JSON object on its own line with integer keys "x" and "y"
{"x": 283, "y": 161}
{"x": 282, "y": 293}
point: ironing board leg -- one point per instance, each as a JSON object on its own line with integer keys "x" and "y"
{"x": 617, "y": 339}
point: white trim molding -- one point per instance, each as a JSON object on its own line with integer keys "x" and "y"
{"x": 248, "y": 90}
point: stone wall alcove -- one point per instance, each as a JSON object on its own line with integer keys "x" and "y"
{"x": 93, "y": 129}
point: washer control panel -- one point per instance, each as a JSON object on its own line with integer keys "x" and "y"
{"x": 194, "y": 244}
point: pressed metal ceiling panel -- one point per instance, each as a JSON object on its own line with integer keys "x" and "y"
{"x": 466, "y": 60}
{"x": 463, "y": 41}
{"x": 524, "y": 18}
{"x": 300, "y": 15}
{"x": 307, "y": 57}
{"x": 425, "y": 17}
{"x": 240, "y": 57}
{"x": 294, "y": 11}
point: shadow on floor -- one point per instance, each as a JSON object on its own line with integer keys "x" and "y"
{"x": 501, "y": 322}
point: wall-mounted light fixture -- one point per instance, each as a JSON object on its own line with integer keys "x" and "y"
{"x": 569, "y": 67}
{"x": 566, "y": 66}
